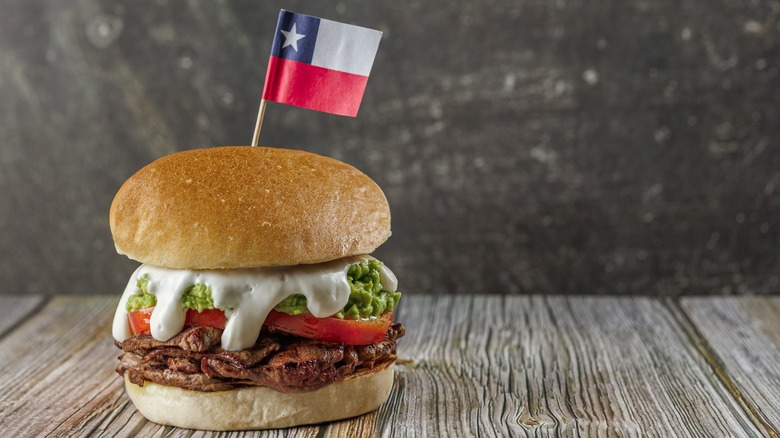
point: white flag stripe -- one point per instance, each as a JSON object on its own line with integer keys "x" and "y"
{"x": 345, "y": 47}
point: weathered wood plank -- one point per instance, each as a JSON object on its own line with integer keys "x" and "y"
{"x": 14, "y": 309}
{"x": 743, "y": 335}
{"x": 469, "y": 366}
{"x": 50, "y": 369}
{"x": 546, "y": 366}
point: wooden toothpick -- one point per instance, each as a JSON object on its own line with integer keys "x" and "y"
{"x": 259, "y": 124}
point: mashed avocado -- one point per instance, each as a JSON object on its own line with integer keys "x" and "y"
{"x": 366, "y": 299}
{"x": 144, "y": 299}
{"x": 197, "y": 296}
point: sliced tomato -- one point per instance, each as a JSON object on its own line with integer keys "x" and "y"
{"x": 331, "y": 329}
{"x": 139, "y": 319}
{"x": 211, "y": 317}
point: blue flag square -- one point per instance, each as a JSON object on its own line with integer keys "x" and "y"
{"x": 296, "y": 35}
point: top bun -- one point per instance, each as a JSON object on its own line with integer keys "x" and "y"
{"x": 246, "y": 207}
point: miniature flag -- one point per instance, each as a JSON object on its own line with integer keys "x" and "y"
{"x": 320, "y": 64}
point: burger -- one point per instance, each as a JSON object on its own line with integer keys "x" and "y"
{"x": 257, "y": 304}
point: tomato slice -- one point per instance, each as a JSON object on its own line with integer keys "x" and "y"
{"x": 331, "y": 329}
{"x": 139, "y": 319}
{"x": 212, "y": 317}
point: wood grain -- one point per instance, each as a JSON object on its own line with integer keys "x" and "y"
{"x": 469, "y": 366}
{"x": 547, "y": 366}
{"x": 14, "y": 308}
{"x": 743, "y": 334}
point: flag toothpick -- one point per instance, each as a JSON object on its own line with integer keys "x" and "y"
{"x": 318, "y": 64}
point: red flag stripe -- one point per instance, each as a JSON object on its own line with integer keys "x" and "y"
{"x": 312, "y": 87}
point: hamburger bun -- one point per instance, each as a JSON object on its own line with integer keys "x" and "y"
{"x": 260, "y": 407}
{"x": 246, "y": 207}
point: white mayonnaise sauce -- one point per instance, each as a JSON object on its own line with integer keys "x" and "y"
{"x": 250, "y": 293}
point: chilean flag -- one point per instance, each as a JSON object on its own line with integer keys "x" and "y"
{"x": 320, "y": 64}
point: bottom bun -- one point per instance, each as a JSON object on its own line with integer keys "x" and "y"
{"x": 260, "y": 407}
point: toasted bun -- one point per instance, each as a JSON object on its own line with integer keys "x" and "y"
{"x": 260, "y": 407}
{"x": 245, "y": 207}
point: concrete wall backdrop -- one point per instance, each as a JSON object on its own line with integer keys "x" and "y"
{"x": 532, "y": 146}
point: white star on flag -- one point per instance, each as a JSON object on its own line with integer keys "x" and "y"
{"x": 291, "y": 38}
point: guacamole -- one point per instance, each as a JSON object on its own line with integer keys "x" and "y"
{"x": 367, "y": 298}
{"x": 144, "y": 299}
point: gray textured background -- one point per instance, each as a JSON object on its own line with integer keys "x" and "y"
{"x": 535, "y": 146}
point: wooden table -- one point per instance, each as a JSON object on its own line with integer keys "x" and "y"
{"x": 469, "y": 366}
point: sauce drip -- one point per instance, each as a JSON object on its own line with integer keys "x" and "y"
{"x": 248, "y": 294}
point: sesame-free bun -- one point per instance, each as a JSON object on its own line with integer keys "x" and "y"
{"x": 246, "y": 207}
{"x": 260, "y": 407}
